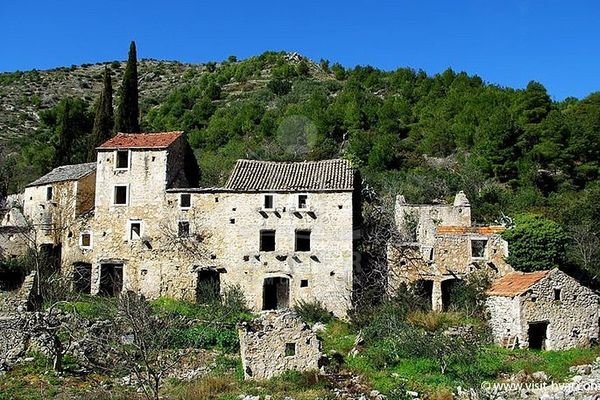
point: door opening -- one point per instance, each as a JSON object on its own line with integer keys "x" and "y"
{"x": 538, "y": 333}
{"x": 208, "y": 286}
{"x": 276, "y": 293}
{"x": 111, "y": 280}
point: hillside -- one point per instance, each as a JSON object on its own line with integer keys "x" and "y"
{"x": 427, "y": 137}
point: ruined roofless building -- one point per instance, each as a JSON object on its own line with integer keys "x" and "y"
{"x": 542, "y": 310}
{"x": 441, "y": 246}
{"x": 281, "y": 231}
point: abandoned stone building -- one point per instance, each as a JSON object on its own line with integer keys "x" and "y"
{"x": 542, "y": 310}
{"x": 439, "y": 245}
{"x": 281, "y": 231}
{"x": 275, "y": 342}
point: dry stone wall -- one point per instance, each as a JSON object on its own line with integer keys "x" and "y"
{"x": 276, "y": 342}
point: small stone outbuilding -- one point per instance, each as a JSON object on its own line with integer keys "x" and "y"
{"x": 542, "y": 310}
{"x": 276, "y": 342}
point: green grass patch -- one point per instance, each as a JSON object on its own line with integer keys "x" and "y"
{"x": 338, "y": 336}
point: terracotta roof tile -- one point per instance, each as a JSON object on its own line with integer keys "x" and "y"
{"x": 158, "y": 140}
{"x": 462, "y": 230}
{"x": 515, "y": 283}
{"x": 326, "y": 175}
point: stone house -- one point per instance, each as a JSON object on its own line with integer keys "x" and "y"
{"x": 542, "y": 310}
{"x": 439, "y": 246}
{"x": 276, "y": 342}
{"x": 280, "y": 231}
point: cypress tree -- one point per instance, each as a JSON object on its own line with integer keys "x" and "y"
{"x": 66, "y": 135}
{"x": 103, "y": 119}
{"x": 128, "y": 110}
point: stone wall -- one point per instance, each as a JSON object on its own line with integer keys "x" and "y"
{"x": 427, "y": 217}
{"x": 573, "y": 320}
{"x": 276, "y": 342}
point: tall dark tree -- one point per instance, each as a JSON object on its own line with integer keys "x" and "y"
{"x": 67, "y": 134}
{"x": 128, "y": 110}
{"x": 103, "y": 119}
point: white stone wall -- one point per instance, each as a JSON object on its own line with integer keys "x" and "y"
{"x": 505, "y": 316}
{"x": 573, "y": 320}
{"x": 263, "y": 345}
{"x": 452, "y": 254}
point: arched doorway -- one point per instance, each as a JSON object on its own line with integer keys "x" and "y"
{"x": 276, "y": 293}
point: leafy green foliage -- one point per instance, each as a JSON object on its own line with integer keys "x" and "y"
{"x": 103, "y": 118}
{"x": 536, "y": 243}
{"x": 313, "y": 311}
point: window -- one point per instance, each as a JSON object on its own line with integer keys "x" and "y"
{"x": 302, "y": 200}
{"x": 557, "y": 294}
{"x": 290, "y": 349}
{"x": 183, "y": 229}
{"x": 135, "y": 230}
{"x": 120, "y": 197}
{"x": 49, "y": 193}
{"x": 478, "y": 248}
{"x": 268, "y": 202}
{"x": 304, "y": 283}
{"x": 85, "y": 240}
{"x": 267, "y": 240}
{"x": 122, "y": 157}
{"x": 185, "y": 200}
{"x": 302, "y": 240}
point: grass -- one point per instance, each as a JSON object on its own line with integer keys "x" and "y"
{"x": 433, "y": 320}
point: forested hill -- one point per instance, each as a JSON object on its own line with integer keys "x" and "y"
{"x": 425, "y": 136}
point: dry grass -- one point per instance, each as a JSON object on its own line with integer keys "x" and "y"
{"x": 209, "y": 388}
{"x": 433, "y": 320}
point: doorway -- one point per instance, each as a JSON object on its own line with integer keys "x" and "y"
{"x": 424, "y": 290}
{"x": 208, "y": 286}
{"x": 538, "y": 333}
{"x": 447, "y": 287}
{"x": 276, "y": 293}
{"x": 82, "y": 277}
{"x": 111, "y": 280}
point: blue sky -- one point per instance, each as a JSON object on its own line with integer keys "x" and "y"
{"x": 506, "y": 42}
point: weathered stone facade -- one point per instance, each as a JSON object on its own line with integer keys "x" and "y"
{"x": 150, "y": 233}
{"x": 546, "y": 309}
{"x": 441, "y": 246}
{"x": 276, "y": 342}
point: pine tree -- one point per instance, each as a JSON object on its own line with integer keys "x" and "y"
{"x": 128, "y": 110}
{"x": 103, "y": 119}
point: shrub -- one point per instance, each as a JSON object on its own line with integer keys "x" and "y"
{"x": 313, "y": 311}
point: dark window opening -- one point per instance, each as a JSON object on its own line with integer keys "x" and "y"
{"x": 122, "y": 159}
{"x": 183, "y": 229}
{"x": 267, "y": 240}
{"x": 120, "y": 194}
{"x": 304, "y": 283}
{"x": 290, "y": 349}
{"x": 302, "y": 240}
{"x": 557, "y": 293}
{"x": 111, "y": 280}
{"x": 537, "y": 333}
{"x": 302, "y": 200}
{"x": 478, "y": 248}
{"x": 49, "y": 193}
{"x": 135, "y": 231}
{"x": 232, "y": 220}
{"x": 82, "y": 278}
{"x": 268, "y": 203}
{"x": 276, "y": 293}
{"x": 424, "y": 289}
{"x": 86, "y": 240}
{"x": 185, "y": 201}
{"x": 208, "y": 287}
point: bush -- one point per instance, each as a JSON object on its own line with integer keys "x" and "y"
{"x": 313, "y": 311}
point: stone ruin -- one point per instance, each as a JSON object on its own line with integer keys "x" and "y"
{"x": 276, "y": 342}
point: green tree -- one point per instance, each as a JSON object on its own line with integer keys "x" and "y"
{"x": 70, "y": 121}
{"x": 536, "y": 243}
{"x": 103, "y": 119}
{"x": 128, "y": 110}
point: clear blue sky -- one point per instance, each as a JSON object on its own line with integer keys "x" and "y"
{"x": 506, "y": 42}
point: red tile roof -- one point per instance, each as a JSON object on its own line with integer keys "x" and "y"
{"x": 158, "y": 140}
{"x": 515, "y": 283}
{"x": 463, "y": 230}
